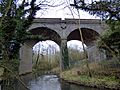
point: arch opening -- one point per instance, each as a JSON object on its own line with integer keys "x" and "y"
{"x": 75, "y": 52}
{"x": 46, "y": 56}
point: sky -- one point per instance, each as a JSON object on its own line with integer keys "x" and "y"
{"x": 60, "y": 9}
{"x": 64, "y": 10}
{"x": 46, "y": 46}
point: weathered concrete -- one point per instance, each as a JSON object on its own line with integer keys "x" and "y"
{"x": 62, "y": 31}
{"x": 26, "y": 57}
{"x": 94, "y": 54}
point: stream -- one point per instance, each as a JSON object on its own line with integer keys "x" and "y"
{"x": 52, "y": 82}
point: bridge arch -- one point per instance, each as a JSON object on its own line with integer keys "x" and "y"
{"x": 26, "y": 50}
{"x": 89, "y": 35}
{"x": 46, "y": 34}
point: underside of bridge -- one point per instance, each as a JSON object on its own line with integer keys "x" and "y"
{"x": 46, "y": 34}
{"x": 89, "y": 35}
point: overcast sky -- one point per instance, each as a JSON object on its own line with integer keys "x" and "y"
{"x": 64, "y": 10}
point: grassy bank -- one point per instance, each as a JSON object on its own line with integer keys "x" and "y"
{"x": 94, "y": 81}
{"x": 103, "y": 75}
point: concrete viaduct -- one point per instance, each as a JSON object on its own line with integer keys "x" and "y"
{"x": 61, "y": 31}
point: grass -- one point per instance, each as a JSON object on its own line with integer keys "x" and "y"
{"x": 100, "y": 82}
{"x": 102, "y": 76}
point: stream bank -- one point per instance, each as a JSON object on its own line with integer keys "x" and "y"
{"x": 103, "y": 82}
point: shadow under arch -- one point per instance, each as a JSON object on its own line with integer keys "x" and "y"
{"x": 46, "y": 34}
{"x": 89, "y": 35}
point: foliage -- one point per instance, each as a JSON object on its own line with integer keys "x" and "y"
{"x": 111, "y": 38}
{"x": 75, "y": 56}
{"x": 106, "y": 9}
{"x": 43, "y": 63}
{"x": 13, "y": 26}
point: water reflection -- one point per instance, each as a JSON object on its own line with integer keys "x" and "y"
{"x": 46, "y": 82}
{"x": 66, "y": 86}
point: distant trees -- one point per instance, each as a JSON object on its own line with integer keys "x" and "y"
{"x": 75, "y": 55}
{"x": 106, "y": 9}
{"x": 46, "y": 57}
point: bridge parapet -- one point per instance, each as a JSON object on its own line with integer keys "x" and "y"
{"x": 68, "y": 21}
{"x": 68, "y": 25}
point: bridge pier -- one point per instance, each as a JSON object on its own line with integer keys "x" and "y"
{"x": 94, "y": 54}
{"x": 25, "y": 59}
{"x": 64, "y": 64}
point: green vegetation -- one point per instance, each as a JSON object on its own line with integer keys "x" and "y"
{"x": 13, "y": 25}
{"x": 51, "y": 62}
{"x": 75, "y": 56}
{"x": 111, "y": 35}
{"x": 105, "y": 74}
{"x": 106, "y": 9}
{"x": 103, "y": 82}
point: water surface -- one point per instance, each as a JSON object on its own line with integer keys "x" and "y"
{"x": 45, "y": 82}
{"x": 52, "y": 82}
